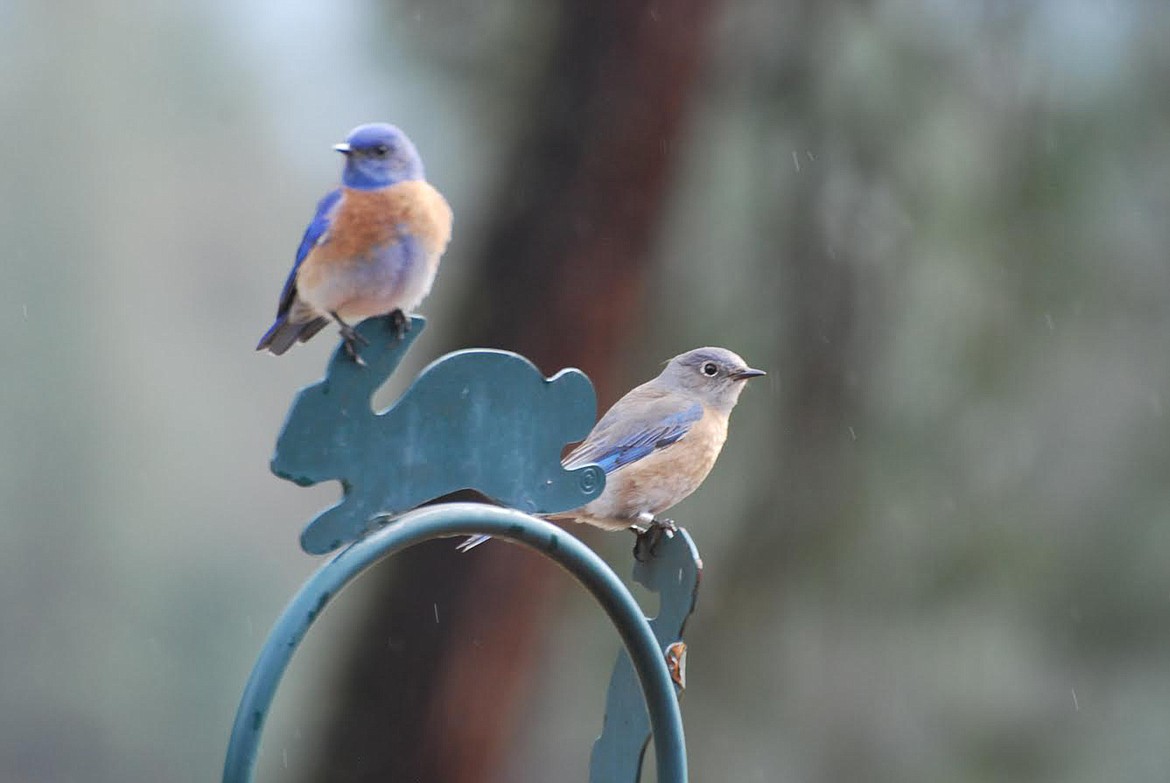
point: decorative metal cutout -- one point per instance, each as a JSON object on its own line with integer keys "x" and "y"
{"x": 477, "y": 419}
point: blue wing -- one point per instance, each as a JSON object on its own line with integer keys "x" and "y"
{"x": 619, "y": 439}
{"x": 317, "y": 228}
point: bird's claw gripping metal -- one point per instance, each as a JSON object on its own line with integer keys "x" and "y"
{"x": 649, "y": 537}
{"x": 399, "y": 322}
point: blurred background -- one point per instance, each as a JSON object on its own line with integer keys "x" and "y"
{"x": 937, "y": 545}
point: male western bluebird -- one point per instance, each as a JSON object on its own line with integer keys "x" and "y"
{"x": 658, "y": 443}
{"x": 373, "y": 247}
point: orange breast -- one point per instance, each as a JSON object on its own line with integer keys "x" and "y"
{"x": 368, "y": 219}
{"x": 364, "y": 223}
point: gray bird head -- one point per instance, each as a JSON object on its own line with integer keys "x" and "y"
{"x": 378, "y": 155}
{"x": 715, "y": 376}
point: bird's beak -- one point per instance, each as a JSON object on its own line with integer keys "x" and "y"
{"x": 343, "y": 148}
{"x": 746, "y": 373}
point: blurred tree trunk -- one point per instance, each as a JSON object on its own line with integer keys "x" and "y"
{"x": 820, "y": 362}
{"x": 439, "y": 665}
{"x": 804, "y": 508}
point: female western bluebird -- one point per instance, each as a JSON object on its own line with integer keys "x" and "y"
{"x": 373, "y": 247}
{"x": 658, "y": 443}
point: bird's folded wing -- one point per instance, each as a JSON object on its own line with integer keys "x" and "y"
{"x": 631, "y": 431}
{"x": 313, "y": 234}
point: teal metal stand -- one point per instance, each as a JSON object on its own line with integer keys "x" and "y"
{"x": 455, "y": 519}
{"x": 489, "y": 421}
{"x": 478, "y": 419}
{"x": 673, "y": 572}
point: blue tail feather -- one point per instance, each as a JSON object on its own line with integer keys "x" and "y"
{"x": 283, "y": 333}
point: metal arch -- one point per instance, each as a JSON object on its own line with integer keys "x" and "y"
{"x": 453, "y": 519}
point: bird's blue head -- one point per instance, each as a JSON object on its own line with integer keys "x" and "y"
{"x": 377, "y": 155}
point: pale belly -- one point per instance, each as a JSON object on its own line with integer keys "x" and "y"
{"x": 652, "y": 485}
{"x": 396, "y": 278}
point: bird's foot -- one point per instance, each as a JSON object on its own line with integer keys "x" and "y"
{"x": 399, "y": 322}
{"x": 646, "y": 544}
{"x": 351, "y": 350}
{"x": 351, "y": 340}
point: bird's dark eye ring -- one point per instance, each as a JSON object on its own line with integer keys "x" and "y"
{"x": 381, "y": 150}
{"x": 710, "y": 370}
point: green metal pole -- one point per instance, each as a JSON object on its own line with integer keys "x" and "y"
{"x": 455, "y": 519}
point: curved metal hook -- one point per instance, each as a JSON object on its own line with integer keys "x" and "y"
{"x": 454, "y": 519}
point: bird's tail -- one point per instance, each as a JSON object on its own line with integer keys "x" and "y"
{"x": 471, "y": 542}
{"x": 283, "y": 333}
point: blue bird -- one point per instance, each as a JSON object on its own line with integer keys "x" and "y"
{"x": 372, "y": 248}
{"x": 658, "y": 443}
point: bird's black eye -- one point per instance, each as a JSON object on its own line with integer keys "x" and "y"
{"x": 710, "y": 370}
{"x": 381, "y": 150}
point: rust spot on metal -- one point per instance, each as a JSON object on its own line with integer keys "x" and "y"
{"x": 676, "y": 662}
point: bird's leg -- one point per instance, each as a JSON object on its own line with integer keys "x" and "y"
{"x": 399, "y": 322}
{"x": 351, "y": 340}
{"x": 645, "y": 520}
{"x": 651, "y": 535}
